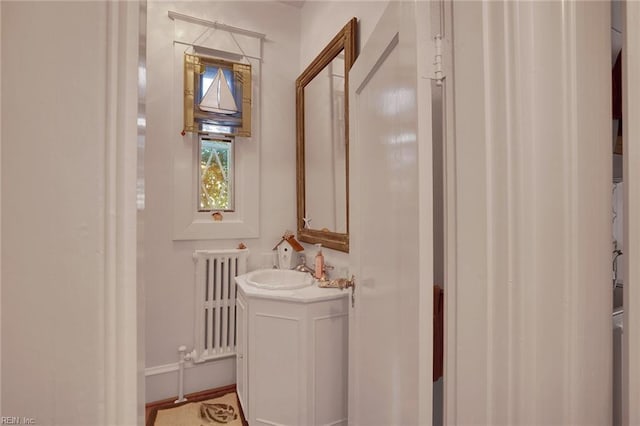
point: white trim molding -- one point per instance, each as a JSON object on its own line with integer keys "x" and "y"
{"x": 244, "y": 221}
{"x": 1, "y": 209}
{"x": 216, "y": 25}
{"x": 530, "y": 207}
{"x": 120, "y": 334}
{"x": 631, "y": 138}
{"x": 162, "y": 380}
{"x": 175, "y": 366}
{"x": 189, "y": 224}
{"x": 164, "y": 369}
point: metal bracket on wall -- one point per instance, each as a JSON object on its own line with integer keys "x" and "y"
{"x": 438, "y": 74}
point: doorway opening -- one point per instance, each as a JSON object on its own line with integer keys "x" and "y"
{"x": 618, "y": 208}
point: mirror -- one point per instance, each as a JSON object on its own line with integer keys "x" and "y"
{"x": 322, "y": 136}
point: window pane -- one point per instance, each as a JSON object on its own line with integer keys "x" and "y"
{"x": 209, "y": 75}
{"x": 219, "y": 98}
{"x": 216, "y": 175}
{"x": 210, "y": 128}
{"x": 217, "y": 93}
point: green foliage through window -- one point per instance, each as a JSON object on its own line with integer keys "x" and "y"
{"x": 216, "y": 175}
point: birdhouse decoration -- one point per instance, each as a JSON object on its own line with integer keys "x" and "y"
{"x": 287, "y": 248}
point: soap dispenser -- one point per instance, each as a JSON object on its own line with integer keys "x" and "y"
{"x": 319, "y": 263}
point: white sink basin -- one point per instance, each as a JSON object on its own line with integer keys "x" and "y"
{"x": 279, "y": 279}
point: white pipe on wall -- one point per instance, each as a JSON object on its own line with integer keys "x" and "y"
{"x": 184, "y": 357}
{"x": 181, "y": 398}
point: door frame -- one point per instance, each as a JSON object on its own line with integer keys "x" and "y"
{"x": 631, "y": 159}
{"x": 123, "y": 334}
{"x": 489, "y": 360}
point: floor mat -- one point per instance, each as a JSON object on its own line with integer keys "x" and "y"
{"x": 217, "y": 411}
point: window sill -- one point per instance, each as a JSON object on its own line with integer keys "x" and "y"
{"x": 207, "y": 229}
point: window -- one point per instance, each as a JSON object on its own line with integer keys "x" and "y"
{"x": 215, "y": 177}
{"x": 217, "y": 96}
{"x": 216, "y": 161}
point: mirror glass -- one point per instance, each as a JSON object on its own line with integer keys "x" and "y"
{"x": 325, "y": 149}
{"x": 322, "y": 133}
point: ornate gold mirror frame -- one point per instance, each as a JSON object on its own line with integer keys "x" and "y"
{"x": 345, "y": 41}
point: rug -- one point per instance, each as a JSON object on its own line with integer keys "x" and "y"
{"x": 223, "y": 410}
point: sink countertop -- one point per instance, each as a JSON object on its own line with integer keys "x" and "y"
{"x": 308, "y": 294}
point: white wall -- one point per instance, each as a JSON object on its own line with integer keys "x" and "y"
{"x": 168, "y": 265}
{"x": 321, "y": 21}
{"x": 68, "y": 317}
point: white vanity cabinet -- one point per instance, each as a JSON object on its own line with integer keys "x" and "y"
{"x": 292, "y": 355}
{"x": 241, "y": 345}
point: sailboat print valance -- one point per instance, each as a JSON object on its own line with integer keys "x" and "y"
{"x": 217, "y": 96}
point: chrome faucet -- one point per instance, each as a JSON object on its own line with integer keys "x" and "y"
{"x": 303, "y": 267}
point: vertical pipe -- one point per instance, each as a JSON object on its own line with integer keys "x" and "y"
{"x": 182, "y": 350}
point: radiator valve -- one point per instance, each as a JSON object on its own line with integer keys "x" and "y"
{"x": 186, "y": 356}
{"x": 191, "y": 356}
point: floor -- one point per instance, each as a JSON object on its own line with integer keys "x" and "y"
{"x": 152, "y": 407}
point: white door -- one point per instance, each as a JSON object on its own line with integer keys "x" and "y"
{"x": 390, "y": 336}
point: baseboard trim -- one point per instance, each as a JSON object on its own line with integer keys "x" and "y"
{"x": 162, "y": 369}
{"x": 175, "y": 366}
{"x": 195, "y": 396}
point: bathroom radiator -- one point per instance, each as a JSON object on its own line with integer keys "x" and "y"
{"x": 215, "y": 306}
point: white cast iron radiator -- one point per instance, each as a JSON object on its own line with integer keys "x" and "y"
{"x": 215, "y": 307}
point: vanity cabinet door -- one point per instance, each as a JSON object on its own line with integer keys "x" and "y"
{"x": 241, "y": 353}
